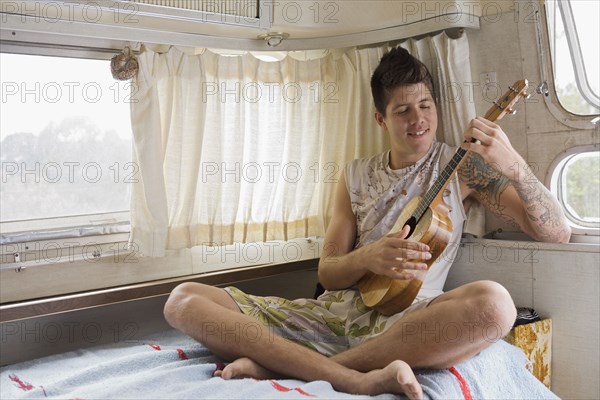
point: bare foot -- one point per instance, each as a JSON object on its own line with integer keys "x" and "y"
{"x": 245, "y": 368}
{"x": 397, "y": 377}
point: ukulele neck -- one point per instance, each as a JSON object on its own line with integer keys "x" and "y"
{"x": 438, "y": 187}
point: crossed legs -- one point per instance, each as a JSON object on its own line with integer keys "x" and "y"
{"x": 454, "y": 327}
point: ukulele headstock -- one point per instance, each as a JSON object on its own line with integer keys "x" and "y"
{"x": 504, "y": 105}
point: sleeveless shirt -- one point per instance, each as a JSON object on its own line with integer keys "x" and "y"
{"x": 378, "y": 194}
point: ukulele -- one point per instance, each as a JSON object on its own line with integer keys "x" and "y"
{"x": 429, "y": 223}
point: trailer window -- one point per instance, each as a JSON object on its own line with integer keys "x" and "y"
{"x": 65, "y": 143}
{"x": 574, "y": 32}
{"x": 576, "y": 182}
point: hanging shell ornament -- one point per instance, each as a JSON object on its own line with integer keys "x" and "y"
{"x": 124, "y": 65}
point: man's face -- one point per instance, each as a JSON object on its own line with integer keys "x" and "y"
{"x": 411, "y": 121}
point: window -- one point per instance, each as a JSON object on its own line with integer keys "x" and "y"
{"x": 65, "y": 145}
{"x": 574, "y": 32}
{"x": 576, "y": 182}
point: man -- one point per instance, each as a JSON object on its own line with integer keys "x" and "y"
{"x": 337, "y": 338}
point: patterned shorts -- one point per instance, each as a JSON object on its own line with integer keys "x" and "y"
{"x": 334, "y": 322}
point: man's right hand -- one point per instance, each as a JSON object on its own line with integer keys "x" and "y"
{"x": 395, "y": 256}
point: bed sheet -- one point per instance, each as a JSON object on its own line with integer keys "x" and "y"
{"x": 170, "y": 365}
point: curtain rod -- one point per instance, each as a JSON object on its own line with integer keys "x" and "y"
{"x": 78, "y": 33}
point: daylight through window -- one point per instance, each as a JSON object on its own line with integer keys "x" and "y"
{"x": 577, "y": 183}
{"x": 574, "y": 33}
{"x": 65, "y": 139}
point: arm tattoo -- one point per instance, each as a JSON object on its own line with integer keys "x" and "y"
{"x": 544, "y": 215}
{"x": 543, "y": 211}
{"x": 488, "y": 184}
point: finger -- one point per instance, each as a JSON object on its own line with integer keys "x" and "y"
{"x": 490, "y": 129}
{"x": 409, "y": 266}
{"x": 410, "y": 250}
{"x": 482, "y": 124}
{"x": 408, "y": 273}
{"x": 480, "y": 135}
{"x": 402, "y": 274}
{"x": 399, "y": 243}
{"x": 473, "y": 133}
{"x": 417, "y": 255}
{"x": 405, "y": 231}
{"x": 474, "y": 145}
{"x": 481, "y": 121}
{"x": 414, "y": 265}
{"x": 401, "y": 234}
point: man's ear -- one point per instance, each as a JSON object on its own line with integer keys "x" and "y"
{"x": 380, "y": 120}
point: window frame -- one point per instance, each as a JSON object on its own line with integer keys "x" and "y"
{"x": 547, "y": 86}
{"x": 54, "y": 240}
{"x": 63, "y": 228}
{"x": 572, "y": 37}
{"x": 554, "y": 177}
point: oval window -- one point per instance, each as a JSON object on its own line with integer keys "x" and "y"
{"x": 576, "y": 182}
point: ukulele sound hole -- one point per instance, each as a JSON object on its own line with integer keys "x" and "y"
{"x": 412, "y": 223}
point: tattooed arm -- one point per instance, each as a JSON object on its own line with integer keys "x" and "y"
{"x": 510, "y": 191}
{"x": 523, "y": 202}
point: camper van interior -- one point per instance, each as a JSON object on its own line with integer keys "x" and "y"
{"x": 150, "y": 143}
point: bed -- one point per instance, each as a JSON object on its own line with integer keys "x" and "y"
{"x": 170, "y": 365}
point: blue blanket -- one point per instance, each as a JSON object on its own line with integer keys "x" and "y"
{"x": 170, "y": 365}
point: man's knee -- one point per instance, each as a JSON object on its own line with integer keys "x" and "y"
{"x": 181, "y": 299}
{"x": 492, "y": 306}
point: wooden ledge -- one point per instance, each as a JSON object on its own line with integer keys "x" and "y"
{"x": 96, "y": 298}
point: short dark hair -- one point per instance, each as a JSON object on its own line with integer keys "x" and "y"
{"x": 397, "y": 68}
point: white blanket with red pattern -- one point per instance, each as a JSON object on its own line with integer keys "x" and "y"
{"x": 173, "y": 366}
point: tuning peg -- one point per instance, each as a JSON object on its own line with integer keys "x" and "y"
{"x": 511, "y": 111}
{"x": 527, "y": 95}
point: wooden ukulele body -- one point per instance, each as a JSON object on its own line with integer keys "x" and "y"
{"x": 390, "y": 296}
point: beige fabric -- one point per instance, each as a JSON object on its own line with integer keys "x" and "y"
{"x": 235, "y": 149}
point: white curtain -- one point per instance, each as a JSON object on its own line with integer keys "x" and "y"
{"x": 236, "y": 149}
